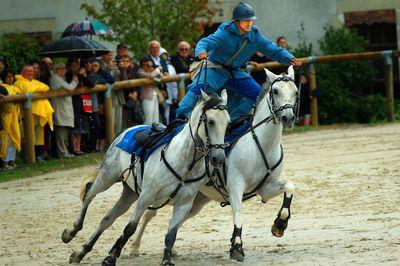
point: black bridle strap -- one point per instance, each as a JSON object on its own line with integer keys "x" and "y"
{"x": 180, "y": 179}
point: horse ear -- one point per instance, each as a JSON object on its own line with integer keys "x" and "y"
{"x": 224, "y": 96}
{"x": 291, "y": 72}
{"x": 271, "y": 76}
{"x": 205, "y": 96}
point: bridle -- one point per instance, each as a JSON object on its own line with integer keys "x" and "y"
{"x": 200, "y": 146}
{"x": 219, "y": 183}
{"x": 272, "y": 105}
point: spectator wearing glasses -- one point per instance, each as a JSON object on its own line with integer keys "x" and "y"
{"x": 183, "y": 58}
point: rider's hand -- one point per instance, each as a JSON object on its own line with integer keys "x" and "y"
{"x": 255, "y": 65}
{"x": 296, "y": 62}
{"x": 202, "y": 55}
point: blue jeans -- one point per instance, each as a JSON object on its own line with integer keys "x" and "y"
{"x": 242, "y": 93}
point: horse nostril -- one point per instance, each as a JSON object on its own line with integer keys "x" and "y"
{"x": 214, "y": 159}
{"x": 284, "y": 119}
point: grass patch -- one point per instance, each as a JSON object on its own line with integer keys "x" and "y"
{"x": 28, "y": 170}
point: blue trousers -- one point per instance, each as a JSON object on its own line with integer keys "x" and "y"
{"x": 242, "y": 93}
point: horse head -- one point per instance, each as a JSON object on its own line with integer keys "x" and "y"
{"x": 283, "y": 97}
{"x": 208, "y": 121}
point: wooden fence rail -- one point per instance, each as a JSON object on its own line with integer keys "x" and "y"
{"x": 27, "y": 98}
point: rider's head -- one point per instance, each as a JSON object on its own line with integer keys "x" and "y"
{"x": 243, "y": 15}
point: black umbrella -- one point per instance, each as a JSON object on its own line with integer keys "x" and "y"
{"x": 74, "y": 46}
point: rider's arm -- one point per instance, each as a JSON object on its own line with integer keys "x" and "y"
{"x": 210, "y": 42}
{"x": 272, "y": 51}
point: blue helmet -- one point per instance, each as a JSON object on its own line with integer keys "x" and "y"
{"x": 243, "y": 11}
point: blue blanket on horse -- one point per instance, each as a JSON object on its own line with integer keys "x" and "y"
{"x": 128, "y": 142}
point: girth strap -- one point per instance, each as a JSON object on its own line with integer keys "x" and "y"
{"x": 181, "y": 181}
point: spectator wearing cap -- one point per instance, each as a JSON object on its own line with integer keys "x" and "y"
{"x": 122, "y": 50}
{"x": 41, "y": 109}
{"x": 10, "y": 136}
{"x": 63, "y": 109}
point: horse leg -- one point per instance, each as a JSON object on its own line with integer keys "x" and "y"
{"x": 122, "y": 205}
{"x": 235, "y": 198}
{"x": 105, "y": 178}
{"x": 199, "y": 202}
{"x": 281, "y": 222}
{"x": 147, "y": 217}
{"x": 179, "y": 215}
{"x": 144, "y": 201}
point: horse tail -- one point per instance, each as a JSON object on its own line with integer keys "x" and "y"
{"x": 86, "y": 184}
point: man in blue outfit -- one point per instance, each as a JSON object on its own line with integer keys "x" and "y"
{"x": 228, "y": 50}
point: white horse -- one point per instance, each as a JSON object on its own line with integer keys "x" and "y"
{"x": 254, "y": 165}
{"x": 174, "y": 179}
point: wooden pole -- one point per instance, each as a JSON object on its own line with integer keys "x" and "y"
{"x": 314, "y": 105}
{"x": 29, "y": 131}
{"x": 110, "y": 134}
{"x": 389, "y": 86}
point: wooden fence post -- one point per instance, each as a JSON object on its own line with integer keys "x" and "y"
{"x": 314, "y": 105}
{"x": 387, "y": 55}
{"x": 29, "y": 129}
{"x": 110, "y": 134}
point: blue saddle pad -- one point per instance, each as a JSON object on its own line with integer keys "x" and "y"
{"x": 235, "y": 134}
{"x": 128, "y": 142}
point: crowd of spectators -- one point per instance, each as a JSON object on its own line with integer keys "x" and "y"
{"x": 73, "y": 125}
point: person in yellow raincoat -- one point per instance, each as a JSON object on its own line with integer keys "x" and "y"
{"x": 41, "y": 109}
{"x": 10, "y": 136}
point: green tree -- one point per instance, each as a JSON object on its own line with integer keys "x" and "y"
{"x": 18, "y": 49}
{"x": 135, "y": 23}
{"x": 303, "y": 48}
{"x": 343, "y": 87}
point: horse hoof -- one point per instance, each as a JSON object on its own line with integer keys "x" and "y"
{"x": 276, "y": 231}
{"x": 134, "y": 253}
{"x": 75, "y": 257}
{"x": 174, "y": 253}
{"x": 66, "y": 237}
{"x": 237, "y": 252}
{"x": 109, "y": 261}
{"x": 236, "y": 255}
{"x": 167, "y": 263}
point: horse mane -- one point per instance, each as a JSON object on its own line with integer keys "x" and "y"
{"x": 214, "y": 100}
{"x": 260, "y": 97}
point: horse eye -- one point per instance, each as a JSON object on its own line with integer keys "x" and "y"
{"x": 276, "y": 92}
{"x": 211, "y": 122}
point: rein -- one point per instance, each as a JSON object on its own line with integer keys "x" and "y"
{"x": 220, "y": 186}
{"x": 199, "y": 146}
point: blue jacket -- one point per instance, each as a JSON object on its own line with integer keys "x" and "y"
{"x": 223, "y": 43}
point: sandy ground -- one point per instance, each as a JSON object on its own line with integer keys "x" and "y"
{"x": 346, "y": 209}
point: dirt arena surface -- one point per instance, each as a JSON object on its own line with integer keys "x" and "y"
{"x": 346, "y": 210}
